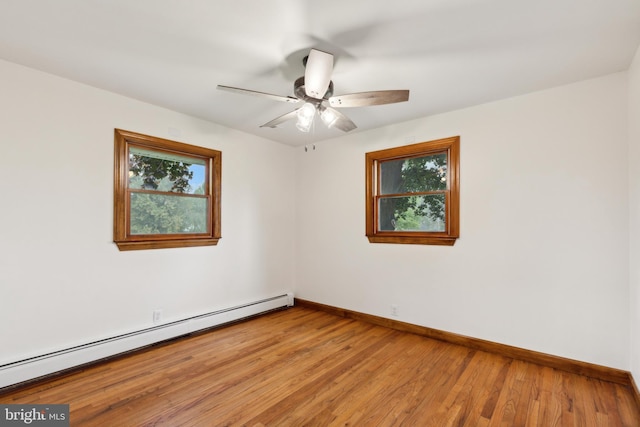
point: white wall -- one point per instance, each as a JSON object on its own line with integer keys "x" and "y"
{"x": 634, "y": 212}
{"x": 63, "y": 281}
{"x": 542, "y": 261}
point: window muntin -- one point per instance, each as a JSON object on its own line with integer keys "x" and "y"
{"x": 167, "y": 194}
{"x": 413, "y": 194}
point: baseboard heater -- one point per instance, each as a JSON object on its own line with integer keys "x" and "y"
{"x": 35, "y": 367}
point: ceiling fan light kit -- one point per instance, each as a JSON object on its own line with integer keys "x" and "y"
{"x": 314, "y": 89}
{"x": 305, "y": 114}
{"x": 328, "y": 116}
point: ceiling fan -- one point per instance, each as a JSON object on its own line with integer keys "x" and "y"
{"x": 315, "y": 90}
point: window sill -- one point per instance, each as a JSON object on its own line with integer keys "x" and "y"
{"x": 164, "y": 244}
{"x": 414, "y": 240}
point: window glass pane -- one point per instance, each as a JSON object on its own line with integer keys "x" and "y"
{"x": 413, "y": 175}
{"x": 160, "y": 171}
{"x": 412, "y": 213}
{"x": 167, "y": 214}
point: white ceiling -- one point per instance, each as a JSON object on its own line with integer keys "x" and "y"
{"x": 450, "y": 53}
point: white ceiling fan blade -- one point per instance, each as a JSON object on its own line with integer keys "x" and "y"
{"x": 260, "y": 94}
{"x": 317, "y": 74}
{"x": 365, "y": 99}
{"x": 281, "y": 119}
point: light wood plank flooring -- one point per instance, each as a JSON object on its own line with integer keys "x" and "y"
{"x": 302, "y": 367}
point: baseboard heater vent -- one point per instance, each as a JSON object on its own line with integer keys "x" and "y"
{"x": 35, "y": 367}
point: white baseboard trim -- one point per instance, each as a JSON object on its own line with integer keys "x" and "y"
{"x": 46, "y": 364}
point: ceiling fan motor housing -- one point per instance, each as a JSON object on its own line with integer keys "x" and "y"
{"x": 299, "y": 92}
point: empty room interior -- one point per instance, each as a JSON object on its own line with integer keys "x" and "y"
{"x": 304, "y": 269}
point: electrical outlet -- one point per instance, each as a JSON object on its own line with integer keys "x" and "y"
{"x": 394, "y": 310}
{"x": 157, "y": 316}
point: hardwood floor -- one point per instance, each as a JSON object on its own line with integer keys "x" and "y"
{"x": 302, "y": 367}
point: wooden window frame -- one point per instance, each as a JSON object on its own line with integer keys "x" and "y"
{"x": 121, "y": 207}
{"x": 451, "y": 146}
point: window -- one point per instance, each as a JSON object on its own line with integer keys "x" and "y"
{"x": 166, "y": 195}
{"x": 412, "y": 193}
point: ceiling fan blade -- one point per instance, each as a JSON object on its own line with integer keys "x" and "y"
{"x": 283, "y": 118}
{"x": 341, "y": 122}
{"x": 317, "y": 74}
{"x": 261, "y": 94}
{"x": 364, "y": 99}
